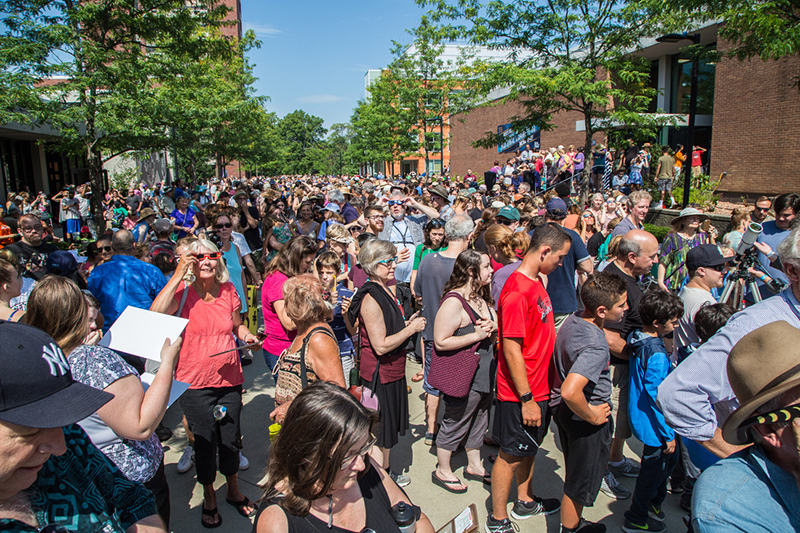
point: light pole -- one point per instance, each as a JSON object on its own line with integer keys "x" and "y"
{"x": 689, "y": 147}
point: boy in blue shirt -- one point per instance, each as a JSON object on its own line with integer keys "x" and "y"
{"x": 338, "y": 297}
{"x": 649, "y": 366}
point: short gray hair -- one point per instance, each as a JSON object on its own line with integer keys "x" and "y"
{"x": 458, "y": 228}
{"x": 336, "y": 196}
{"x": 122, "y": 241}
{"x": 637, "y": 196}
{"x": 789, "y": 248}
{"x": 375, "y": 250}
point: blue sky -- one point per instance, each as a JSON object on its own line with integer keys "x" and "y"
{"x": 314, "y": 54}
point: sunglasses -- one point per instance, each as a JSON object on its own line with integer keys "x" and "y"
{"x": 397, "y": 202}
{"x": 348, "y": 462}
{"x": 224, "y": 226}
{"x": 588, "y": 216}
{"x": 762, "y": 208}
{"x": 505, "y": 221}
{"x": 212, "y": 255}
{"x": 720, "y": 268}
{"x": 435, "y": 223}
{"x": 388, "y": 261}
{"x": 104, "y": 248}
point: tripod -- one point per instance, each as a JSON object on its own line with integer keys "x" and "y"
{"x": 741, "y": 280}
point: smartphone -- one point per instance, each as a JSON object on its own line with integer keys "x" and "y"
{"x": 706, "y": 225}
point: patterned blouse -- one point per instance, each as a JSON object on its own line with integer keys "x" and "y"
{"x": 99, "y": 367}
{"x": 83, "y": 491}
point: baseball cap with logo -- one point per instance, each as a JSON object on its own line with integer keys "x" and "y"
{"x": 36, "y": 385}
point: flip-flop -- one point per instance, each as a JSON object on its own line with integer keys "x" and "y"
{"x": 486, "y": 478}
{"x": 447, "y": 485}
{"x": 416, "y": 378}
{"x": 240, "y": 505}
{"x": 212, "y": 513}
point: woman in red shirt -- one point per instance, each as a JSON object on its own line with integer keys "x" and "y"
{"x": 212, "y": 307}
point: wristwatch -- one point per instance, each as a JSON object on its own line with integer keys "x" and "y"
{"x": 525, "y": 398}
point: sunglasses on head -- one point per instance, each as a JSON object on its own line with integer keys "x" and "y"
{"x": 211, "y": 255}
{"x": 435, "y": 224}
{"x": 224, "y": 226}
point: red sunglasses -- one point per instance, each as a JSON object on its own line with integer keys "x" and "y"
{"x": 212, "y": 255}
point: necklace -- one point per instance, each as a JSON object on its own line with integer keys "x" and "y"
{"x": 330, "y": 511}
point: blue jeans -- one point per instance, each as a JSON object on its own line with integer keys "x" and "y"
{"x": 271, "y": 361}
{"x": 651, "y": 485}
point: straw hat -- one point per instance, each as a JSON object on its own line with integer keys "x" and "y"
{"x": 688, "y": 212}
{"x": 761, "y": 366}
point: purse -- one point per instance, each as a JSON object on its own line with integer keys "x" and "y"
{"x": 452, "y": 371}
{"x": 368, "y": 397}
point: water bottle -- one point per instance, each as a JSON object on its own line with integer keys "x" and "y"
{"x": 405, "y": 518}
{"x": 219, "y": 412}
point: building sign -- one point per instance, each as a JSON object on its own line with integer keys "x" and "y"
{"x": 512, "y": 140}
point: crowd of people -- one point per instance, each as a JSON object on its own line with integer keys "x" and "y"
{"x": 526, "y": 313}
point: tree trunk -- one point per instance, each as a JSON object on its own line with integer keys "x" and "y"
{"x": 95, "y": 159}
{"x": 587, "y": 150}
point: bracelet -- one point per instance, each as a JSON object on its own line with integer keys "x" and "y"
{"x": 763, "y": 277}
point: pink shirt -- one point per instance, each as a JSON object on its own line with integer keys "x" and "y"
{"x": 278, "y": 339}
{"x": 210, "y": 331}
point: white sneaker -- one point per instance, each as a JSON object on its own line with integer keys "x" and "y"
{"x": 244, "y": 464}
{"x": 187, "y": 460}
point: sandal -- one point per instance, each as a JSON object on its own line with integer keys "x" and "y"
{"x": 212, "y": 513}
{"x": 448, "y": 485}
{"x": 486, "y": 478}
{"x": 419, "y": 376}
{"x": 240, "y": 505}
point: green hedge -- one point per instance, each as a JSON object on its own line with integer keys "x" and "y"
{"x": 658, "y": 231}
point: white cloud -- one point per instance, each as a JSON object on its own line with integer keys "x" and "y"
{"x": 319, "y": 99}
{"x": 260, "y": 29}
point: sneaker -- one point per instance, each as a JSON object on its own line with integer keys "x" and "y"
{"x": 499, "y": 526}
{"x": 545, "y": 506}
{"x": 615, "y": 489}
{"x": 186, "y": 461}
{"x": 626, "y": 469}
{"x": 402, "y": 480}
{"x": 244, "y": 464}
{"x": 675, "y": 488}
{"x": 650, "y": 526}
{"x": 656, "y": 514}
{"x": 585, "y": 527}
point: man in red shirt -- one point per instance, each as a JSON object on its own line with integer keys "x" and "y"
{"x": 697, "y": 161}
{"x": 527, "y": 338}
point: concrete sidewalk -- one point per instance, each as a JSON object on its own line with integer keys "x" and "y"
{"x": 438, "y": 504}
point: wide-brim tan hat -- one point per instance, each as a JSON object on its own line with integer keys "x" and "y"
{"x": 688, "y": 212}
{"x": 439, "y": 190}
{"x": 764, "y": 364}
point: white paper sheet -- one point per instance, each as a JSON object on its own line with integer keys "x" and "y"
{"x": 140, "y": 332}
{"x": 178, "y": 387}
{"x": 463, "y": 521}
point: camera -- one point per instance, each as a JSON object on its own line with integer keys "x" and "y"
{"x": 749, "y": 237}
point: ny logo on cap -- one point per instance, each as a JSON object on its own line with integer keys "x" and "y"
{"x": 56, "y": 359}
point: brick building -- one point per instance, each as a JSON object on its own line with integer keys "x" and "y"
{"x": 746, "y": 110}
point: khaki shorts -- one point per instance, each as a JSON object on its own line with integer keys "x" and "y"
{"x": 619, "y": 397}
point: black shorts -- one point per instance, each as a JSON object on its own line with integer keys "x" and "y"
{"x": 586, "y": 449}
{"x": 516, "y": 439}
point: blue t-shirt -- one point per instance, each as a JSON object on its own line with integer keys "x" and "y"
{"x": 561, "y": 282}
{"x": 338, "y": 326}
{"x": 773, "y": 236}
{"x": 124, "y": 281}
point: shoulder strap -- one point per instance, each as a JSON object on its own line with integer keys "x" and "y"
{"x": 183, "y": 298}
{"x": 303, "y": 372}
{"x": 467, "y": 307}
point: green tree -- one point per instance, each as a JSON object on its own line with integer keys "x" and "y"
{"x": 562, "y": 56}
{"x": 106, "y": 57}
{"x": 299, "y": 131}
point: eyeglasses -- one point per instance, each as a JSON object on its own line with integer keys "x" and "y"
{"x": 588, "y": 216}
{"x": 30, "y": 228}
{"x": 104, "y": 248}
{"x": 762, "y": 208}
{"x": 504, "y": 221}
{"x": 348, "y": 462}
{"x": 720, "y": 268}
{"x": 397, "y": 202}
{"x": 212, "y": 255}
{"x": 224, "y": 226}
{"x": 387, "y": 262}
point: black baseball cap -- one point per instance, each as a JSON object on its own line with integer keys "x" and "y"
{"x": 705, "y": 255}
{"x": 36, "y": 385}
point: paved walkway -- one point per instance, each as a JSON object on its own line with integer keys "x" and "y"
{"x": 438, "y": 504}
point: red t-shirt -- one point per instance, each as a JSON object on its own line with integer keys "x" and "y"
{"x": 525, "y": 312}
{"x": 697, "y": 160}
